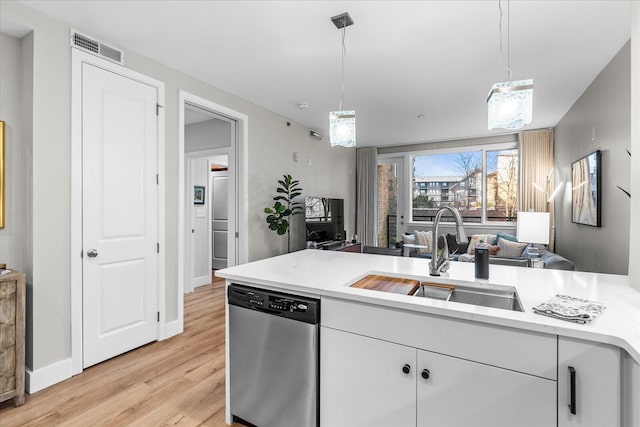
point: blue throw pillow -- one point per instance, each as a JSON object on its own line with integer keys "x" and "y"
{"x": 505, "y": 236}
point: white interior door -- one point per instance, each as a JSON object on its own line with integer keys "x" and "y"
{"x": 120, "y": 214}
{"x": 219, "y": 218}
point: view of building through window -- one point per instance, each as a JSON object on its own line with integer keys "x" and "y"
{"x": 457, "y": 179}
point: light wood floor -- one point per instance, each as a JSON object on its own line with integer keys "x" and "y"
{"x": 179, "y": 381}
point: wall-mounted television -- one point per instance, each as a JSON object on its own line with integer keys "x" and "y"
{"x": 324, "y": 219}
{"x": 586, "y": 198}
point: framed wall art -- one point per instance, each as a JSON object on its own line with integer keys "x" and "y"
{"x": 198, "y": 195}
{"x": 586, "y": 198}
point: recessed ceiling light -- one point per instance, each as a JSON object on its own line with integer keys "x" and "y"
{"x": 303, "y": 105}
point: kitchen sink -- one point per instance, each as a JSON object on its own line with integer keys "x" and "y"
{"x": 502, "y": 297}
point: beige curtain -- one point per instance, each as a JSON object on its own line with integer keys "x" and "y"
{"x": 536, "y": 175}
{"x": 366, "y": 195}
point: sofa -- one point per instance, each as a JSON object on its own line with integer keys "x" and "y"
{"x": 505, "y": 249}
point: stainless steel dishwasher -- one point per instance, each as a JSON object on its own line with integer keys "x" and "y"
{"x": 273, "y": 357}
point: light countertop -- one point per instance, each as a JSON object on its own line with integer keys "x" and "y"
{"x": 329, "y": 274}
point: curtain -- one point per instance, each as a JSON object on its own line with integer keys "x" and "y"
{"x": 537, "y": 187}
{"x": 366, "y": 195}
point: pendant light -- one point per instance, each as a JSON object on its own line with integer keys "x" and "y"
{"x": 342, "y": 124}
{"x": 510, "y": 103}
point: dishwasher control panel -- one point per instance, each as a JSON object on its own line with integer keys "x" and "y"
{"x": 281, "y": 304}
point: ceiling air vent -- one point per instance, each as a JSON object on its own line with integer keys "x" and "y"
{"x": 88, "y": 44}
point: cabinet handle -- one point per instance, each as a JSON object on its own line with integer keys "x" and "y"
{"x": 572, "y": 387}
{"x": 425, "y": 374}
{"x": 406, "y": 368}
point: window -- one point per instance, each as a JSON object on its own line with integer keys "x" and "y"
{"x": 460, "y": 178}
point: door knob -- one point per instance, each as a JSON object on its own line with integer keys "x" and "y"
{"x": 425, "y": 374}
{"x": 92, "y": 253}
{"x": 406, "y": 368}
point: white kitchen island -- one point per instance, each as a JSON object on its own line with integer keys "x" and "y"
{"x": 484, "y": 366}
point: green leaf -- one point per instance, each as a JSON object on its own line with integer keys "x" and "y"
{"x": 268, "y": 210}
{"x": 281, "y": 208}
{"x": 273, "y": 226}
{"x": 280, "y": 190}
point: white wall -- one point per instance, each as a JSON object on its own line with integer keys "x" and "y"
{"x": 200, "y": 225}
{"x": 15, "y": 110}
{"x": 206, "y": 135}
{"x": 606, "y": 106}
{"x": 271, "y": 145}
{"x": 12, "y": 236}
{"x": 634, "y": 234}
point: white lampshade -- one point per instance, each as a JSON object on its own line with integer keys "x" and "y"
{"x": 342, "y": 128}
{"x": 510, "y": 104}
{"x": 533, "y": 227}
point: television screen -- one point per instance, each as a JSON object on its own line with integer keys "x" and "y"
{"x": 324, "y": 219}
{"x": 585, "y": 195}
{"x": 317, "y": 209}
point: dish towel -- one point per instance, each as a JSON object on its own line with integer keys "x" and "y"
{"x": 571, "y": 309}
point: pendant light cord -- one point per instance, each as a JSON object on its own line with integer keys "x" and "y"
{"x": 508, "y": 67}
{"x": 344, "y": 54}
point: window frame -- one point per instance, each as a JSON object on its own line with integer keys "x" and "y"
{"x": 484, "y": 148}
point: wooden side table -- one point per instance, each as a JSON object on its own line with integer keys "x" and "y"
{"x": 12, "y": 324}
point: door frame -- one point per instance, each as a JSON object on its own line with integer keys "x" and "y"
{"x": 242, "y": 189}
{"x": 78, "y": 58}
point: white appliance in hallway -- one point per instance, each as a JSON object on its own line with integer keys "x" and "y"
{"x": 219, "y": 215}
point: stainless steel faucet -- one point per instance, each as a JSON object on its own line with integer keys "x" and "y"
{"x": 441, "y": 266}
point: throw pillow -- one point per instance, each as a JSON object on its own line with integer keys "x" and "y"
{"x": 477, "y": 238}
{"x": 454, "y": 246}
{"x": 452, "y": 243}
{"x": 505, "y": 236}
{"x": 409, "y": 238}
{"x": 493, "y": 250}
{"x": 423, "y": 238}
{"x": 511, "y": 249}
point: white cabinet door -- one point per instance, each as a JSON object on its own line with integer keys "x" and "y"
{"x": 594, "y": 389}
{"x": 362, "y": 382}
{"x": 459, "y": 392}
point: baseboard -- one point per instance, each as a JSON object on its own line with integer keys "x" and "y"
{"x": 201, "y": 281}
{"x": 49, "y": 375}
{"x": 173, "y": 328}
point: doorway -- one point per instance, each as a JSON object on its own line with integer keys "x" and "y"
{"x": 194, "y": 109}
{"x": 210, "y": 138}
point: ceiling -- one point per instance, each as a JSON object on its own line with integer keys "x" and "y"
{"x": 405, "y": 59}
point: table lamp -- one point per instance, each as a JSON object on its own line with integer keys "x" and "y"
{"x": 533, "y": 227}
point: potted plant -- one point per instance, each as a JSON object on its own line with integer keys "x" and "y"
{"x": 279, "y": 216}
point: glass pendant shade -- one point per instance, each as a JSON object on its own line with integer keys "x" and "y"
{"x": 510, "y": 104}
{"x": 342, "y": 128}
